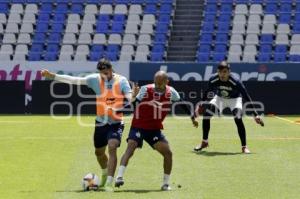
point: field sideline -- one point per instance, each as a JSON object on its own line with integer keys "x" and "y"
{"x": 41, "y": 157}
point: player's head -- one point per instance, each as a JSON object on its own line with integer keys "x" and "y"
{"x": 224, "y": 71}
{"x": 105, "y": 68}
{"x": 161, "y": 80}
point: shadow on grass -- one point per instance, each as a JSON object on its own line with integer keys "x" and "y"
{"x": 216, "y": 153}
{"x": 74, "y": 191}
{"x": 138, "y": 191}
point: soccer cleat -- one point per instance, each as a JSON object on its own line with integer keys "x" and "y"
{"x": 103, "y": 180}
{"x": 119, "y": 182}
{"x": 166, "y": 187}
{"x": 245, "y": 150}
{"x": 202, "y": 146}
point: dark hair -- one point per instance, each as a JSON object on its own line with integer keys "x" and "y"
{"x": 104, "y": 64}
{"x": 223, "y": 65}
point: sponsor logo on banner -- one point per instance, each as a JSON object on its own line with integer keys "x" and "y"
{"x": 202, "y": 72}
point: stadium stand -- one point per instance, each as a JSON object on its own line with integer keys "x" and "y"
{"x": 250, "y": 31}
{"x": 81, "y": 30}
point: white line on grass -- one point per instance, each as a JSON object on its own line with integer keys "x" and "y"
{"x": 286, "y": 120}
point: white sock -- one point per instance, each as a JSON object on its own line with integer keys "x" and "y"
{"x": 166, "y": 179}
{"x": 121, "y": 171}
{"x": 109, "y": 180}
{"x": 206, "y": 141}
{"x": 104, "y": 172}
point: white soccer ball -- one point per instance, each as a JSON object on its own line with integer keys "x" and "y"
{"x": 90, "y": 182}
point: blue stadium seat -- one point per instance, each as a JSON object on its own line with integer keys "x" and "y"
{"x": 113, "y": 56}
{"x": 220, "y": 48}
{"x": 241, "y": 1}
{"x": 211, "y": 9}
{"x": 204, "y": 48}
{"x": 209, "y": 18}
{"x": 152, "y": 1}
{"x": 102, "y": 28}
{"x": 77, "y": 8}
{"x": 265, "y": 48}
{"x": 165, "y": 9}
{"x": 156, "y": 57}
{"x": 163, "y": 28}
{"x": 106, "y": 1}
{"x": 223, "y": 27}
{"x": 208, "y": 27}
{"x": 119, "y": 18}
{"x": 266, "y": 39}
{"x": 257, "y": 1}
{"x": 150, "y": 9}
{"x": 52, "y": 48}
{"x": 57, "y": 27}
{"x": 285, "y": 8}
{"x": 59, "y": 18}
{"x": 296, "y": 28}
{"x": 221, "y": 39}
{"x": 264, "y": 57}
{"x": 96, "y": 55}
{"x": 103, "y": 18}
{"x": 226, "y": 8}
{"x": 203, "y": 57}
{"x": 294, "y": 58}
{"x": 61, "y": 8}
{"x": 136, "y": 1}
{"x": 34, "y": 56}
{"x": 281, "y": 49}
{"x": 97, "y": 48}
{"x": 206, "y": 39}
{"x": 218, "y": 57}
{"x": 39, "y": 38}
{"x": 43, "y": 17}
{"x": 42, "y": 27}
{"x": 37, "y": 48}
{"x": 54, "y": 38}
{"x": 279, "y": 57}
{"x": 285, "y": 18}
{"x": 4, "y": 8}
{"x": 158, "y": 49}
{"x": 225, "y": 18}
{"x": 113, "y": 48}
{"x": 164, "y": 18}
{"x": 117, "y": 28}
{"x": 160, "y": 39}
{"x": 50, "y": 56}
{"x": 271, "y": 8}
{"x": 46, "y": 8}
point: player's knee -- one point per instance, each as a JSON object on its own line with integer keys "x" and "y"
{"x": 112, "y": 147}
{"x": 99, "y": 153}
{"x": 237, "y": 113}
{"x": 168, "y": 153}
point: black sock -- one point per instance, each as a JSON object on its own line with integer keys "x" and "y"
{"x": 241, "y": 130}
{"x": 205, "y": 128}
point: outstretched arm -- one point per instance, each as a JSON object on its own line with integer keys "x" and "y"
{"x": 64, "y": 78}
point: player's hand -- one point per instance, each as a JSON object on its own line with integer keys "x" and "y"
{"x": 259, "y": 121}
{"x": 195, "y": 123}
{"x": 47, "y": 74}
{"x": 135, "y": 89}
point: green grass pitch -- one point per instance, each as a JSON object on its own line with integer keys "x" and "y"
{"x": 41, "y": 157}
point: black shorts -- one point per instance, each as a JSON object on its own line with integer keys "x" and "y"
{"x": 105, "y": 132}
{"x": 150, "y": 136}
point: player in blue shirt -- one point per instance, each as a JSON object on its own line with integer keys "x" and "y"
{"x": 228, "y": 93}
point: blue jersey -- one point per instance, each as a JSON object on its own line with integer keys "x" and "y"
{"x": 232, "y": 88}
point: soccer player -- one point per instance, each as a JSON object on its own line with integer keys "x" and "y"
{"x": 112, "y": 91}
{"x": 152, "y": 104}
{"x": 228, "y": 93}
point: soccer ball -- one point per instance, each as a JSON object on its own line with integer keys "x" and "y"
{"x": 90, "y": 182}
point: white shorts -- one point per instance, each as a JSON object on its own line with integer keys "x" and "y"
{"x": 222, "y": 103}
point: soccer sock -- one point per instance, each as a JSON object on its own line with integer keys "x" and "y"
{"x": 104, "y": 172}
{"x": 166, "y": 179}
{"x": 109, "y": 180}
{"x": 121, "y": 171}
{"x": 241, "y": 130}
{"x": 205, "y": 128}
